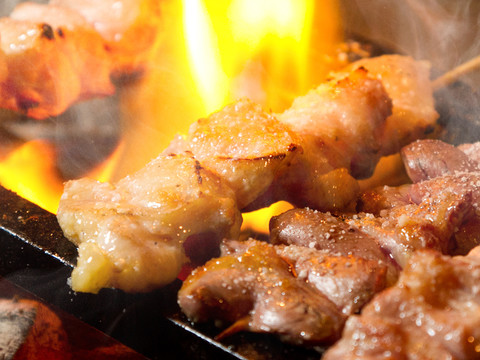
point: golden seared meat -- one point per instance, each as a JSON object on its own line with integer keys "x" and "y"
{"x": 339, "y": 123}
{"x": 246, "y": 146}
{"x": 131, "y": 235}
{"x": 408, "y": 84}
{"x": 255, "y": 289}
{"x": 433, "y": 312}
{"x": 348, "y": 123}
{"x": 342, "y": 120}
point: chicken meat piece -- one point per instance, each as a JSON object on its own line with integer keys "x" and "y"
{"x": 246, "y": 146}
{"x": 129, "y": 27}
{"x": 343, "y": 120}
{"x": 53, "y": 58}
{"x": 466, "y": 236}
{"x": 256, "y": 290}
{"x": 137, "y": 234}
{"x": 408, "y": 84}
{"x": 431, "y": 223}
{"x": 347, "y": 124}
{"x": 338, "y": 123}
{"x": 348, "y": 281}
{"x": 433, "y": 312}
{"x": 439, "y": 171}
{"x": 332, "y": 235}
{"x": 429, "y": 158}
{"x": 53, "y": 55}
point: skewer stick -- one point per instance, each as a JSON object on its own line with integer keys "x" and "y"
{"x": 453, "y": 75}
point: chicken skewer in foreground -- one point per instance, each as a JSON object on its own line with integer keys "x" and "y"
{"x": 345, "y": 260}
{"x": 250, "y": 152}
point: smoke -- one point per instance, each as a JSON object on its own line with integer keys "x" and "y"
{"x": 442, "y": 31}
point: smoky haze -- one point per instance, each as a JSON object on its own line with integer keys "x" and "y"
{"x": 444, "y": 32}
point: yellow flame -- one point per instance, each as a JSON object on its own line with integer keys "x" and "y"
{"x": 257, "y": 49}
{"x": 204, "y": 55}
{"x": 30, "y": 171}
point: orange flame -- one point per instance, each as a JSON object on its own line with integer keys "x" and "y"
{"x": 30, "y": 172}
{"x": 213, "y": 52}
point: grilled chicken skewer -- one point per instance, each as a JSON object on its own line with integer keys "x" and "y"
{"x": 54, "y": 55}
{"x": 258, "y": 157}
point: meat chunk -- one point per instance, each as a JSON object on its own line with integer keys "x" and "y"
{"x": 53, "y": 55}
{"x": 131, "y": 235}
{"x": 427, "y": 159}
{"x": 430, "y": 223}
{"x": 433, "y": 312}
{"x": 333, "y": 235}
{"x": 256, "y": 290}
{"x": 408, "y": 84}
{"x": 348, "y": 281}
{"x": 130, "y": 28}
{"x": 47, "y": 70}
{"x": 343, "y": 119}
{"x": 246, "y": 146}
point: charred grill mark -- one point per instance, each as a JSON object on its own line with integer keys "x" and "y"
{"x": 60, "y": 32}
{"x": 291, "y": 148}
{"x": 198, "y": 167}
{"x": 47, "y": 31}
{"x": 25, "y": 103}
{"x": 260, "y": 158}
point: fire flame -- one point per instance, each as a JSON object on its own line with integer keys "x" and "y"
{"x": 213, "y": 52}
